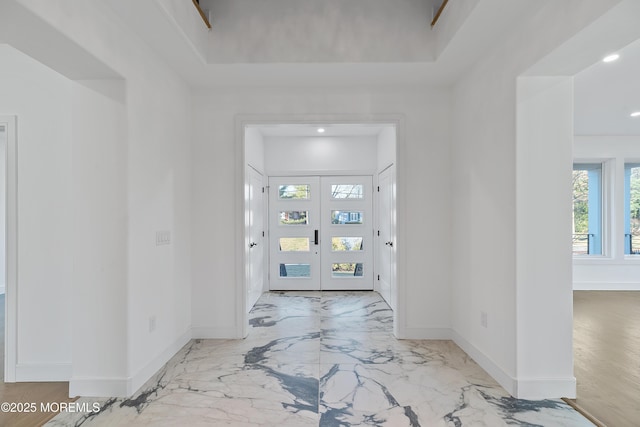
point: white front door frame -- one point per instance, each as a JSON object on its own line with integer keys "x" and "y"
{"x": 241, "y": 123}
{"x": 11, "y": 248}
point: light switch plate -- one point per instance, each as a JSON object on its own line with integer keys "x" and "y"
{"x": 163, "y": 238}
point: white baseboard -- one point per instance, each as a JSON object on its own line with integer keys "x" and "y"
{"x": 125, "y": 387}
{"x": 3, "y": 289}
{"x": 531, "y": 389}
{"x": 36, "y": 372}
{"x": 425, "y": 334}
{"x": 546, "y": 388}
{"x": 98, "y": 387}
{"x": 606, "y": 286}
{"x": 205, "y": 332}
{"x": 497, "y": 373}
{"x": 141, "y": 377}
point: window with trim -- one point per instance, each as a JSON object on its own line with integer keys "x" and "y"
{"x": 587, "y": 208}
{"x": 632, "y": 208}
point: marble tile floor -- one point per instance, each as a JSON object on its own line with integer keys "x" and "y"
{"x": 322, "y": 359}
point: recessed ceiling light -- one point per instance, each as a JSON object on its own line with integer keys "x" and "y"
{"x": 611, "y": 58}
{"x": 635, "y": 114}
{"x": 320, "y": 130}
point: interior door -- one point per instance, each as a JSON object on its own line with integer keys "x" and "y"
{"x": 255, "y": 246}
{"x": 294, "y": 240}
{"x": 386, "y": 238}
{"x": 347, "y": 233}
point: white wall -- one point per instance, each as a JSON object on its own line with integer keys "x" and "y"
{"x": 146, "y": 180}
{"x": 423, "y": 198}
{"x": 99, "y": 283}
{"x": 485, "y": 217}
{"x": 543, "y": 247}
{"x": 614, "y": 270}
{"x": 450, "y": 21}
{"x": 254, "y": 149}
{"x": 41, "y": 99}
{"x": 320, "y": 155}
{"x": 159, "y": 199}
{"x": 386, "y": 155}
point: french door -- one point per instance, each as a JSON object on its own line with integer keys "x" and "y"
{"x": 321, "y": 233}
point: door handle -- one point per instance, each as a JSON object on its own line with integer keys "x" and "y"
{"x": 389, "y": 244}
{"x": 252, "y": 244}
{"x": 315, "y": 237}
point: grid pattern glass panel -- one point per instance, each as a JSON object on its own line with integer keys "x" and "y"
{"x": 294, "y": 192}
{"x": 294, "y": 217}
{"x": 347, "y": 191}
{"x": 294, "y": 244}
{"x": 342, "y": 244}
{"x": 346, "y": 270}
{"x": 295, "y": 270}
{"x": 347, "y": 217}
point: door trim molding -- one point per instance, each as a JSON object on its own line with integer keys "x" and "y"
{"x": 11, "y": 248}
{"x": 244, "y": 120}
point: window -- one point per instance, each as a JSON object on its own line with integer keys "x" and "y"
{"x": 295, "y": 270}
{"x": 587, "y": 209}
{"x": 294, "y": 192}
{"x": 346, "y": 270}
{"x": 294, "y": 244}
{"x": 347, "y": 217}
{"x": 347, "y": 191}
{"x": 294, "y": 217}
{"x": 632, "y": 208}
{"x": 342, "y": 244}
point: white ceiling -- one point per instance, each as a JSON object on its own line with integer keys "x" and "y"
{"x": 351, "y": 70}
{"x": 607, "y": 93}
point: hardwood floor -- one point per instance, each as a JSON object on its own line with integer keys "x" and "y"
{"x": 20, "y": 393}
{"x": 36, "y": 393}
{"x": 607, "y": 355}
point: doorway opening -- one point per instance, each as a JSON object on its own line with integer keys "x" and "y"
{"x": 320, "y": 207}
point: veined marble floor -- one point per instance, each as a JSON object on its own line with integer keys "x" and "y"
{"x": 322, "y": 359}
